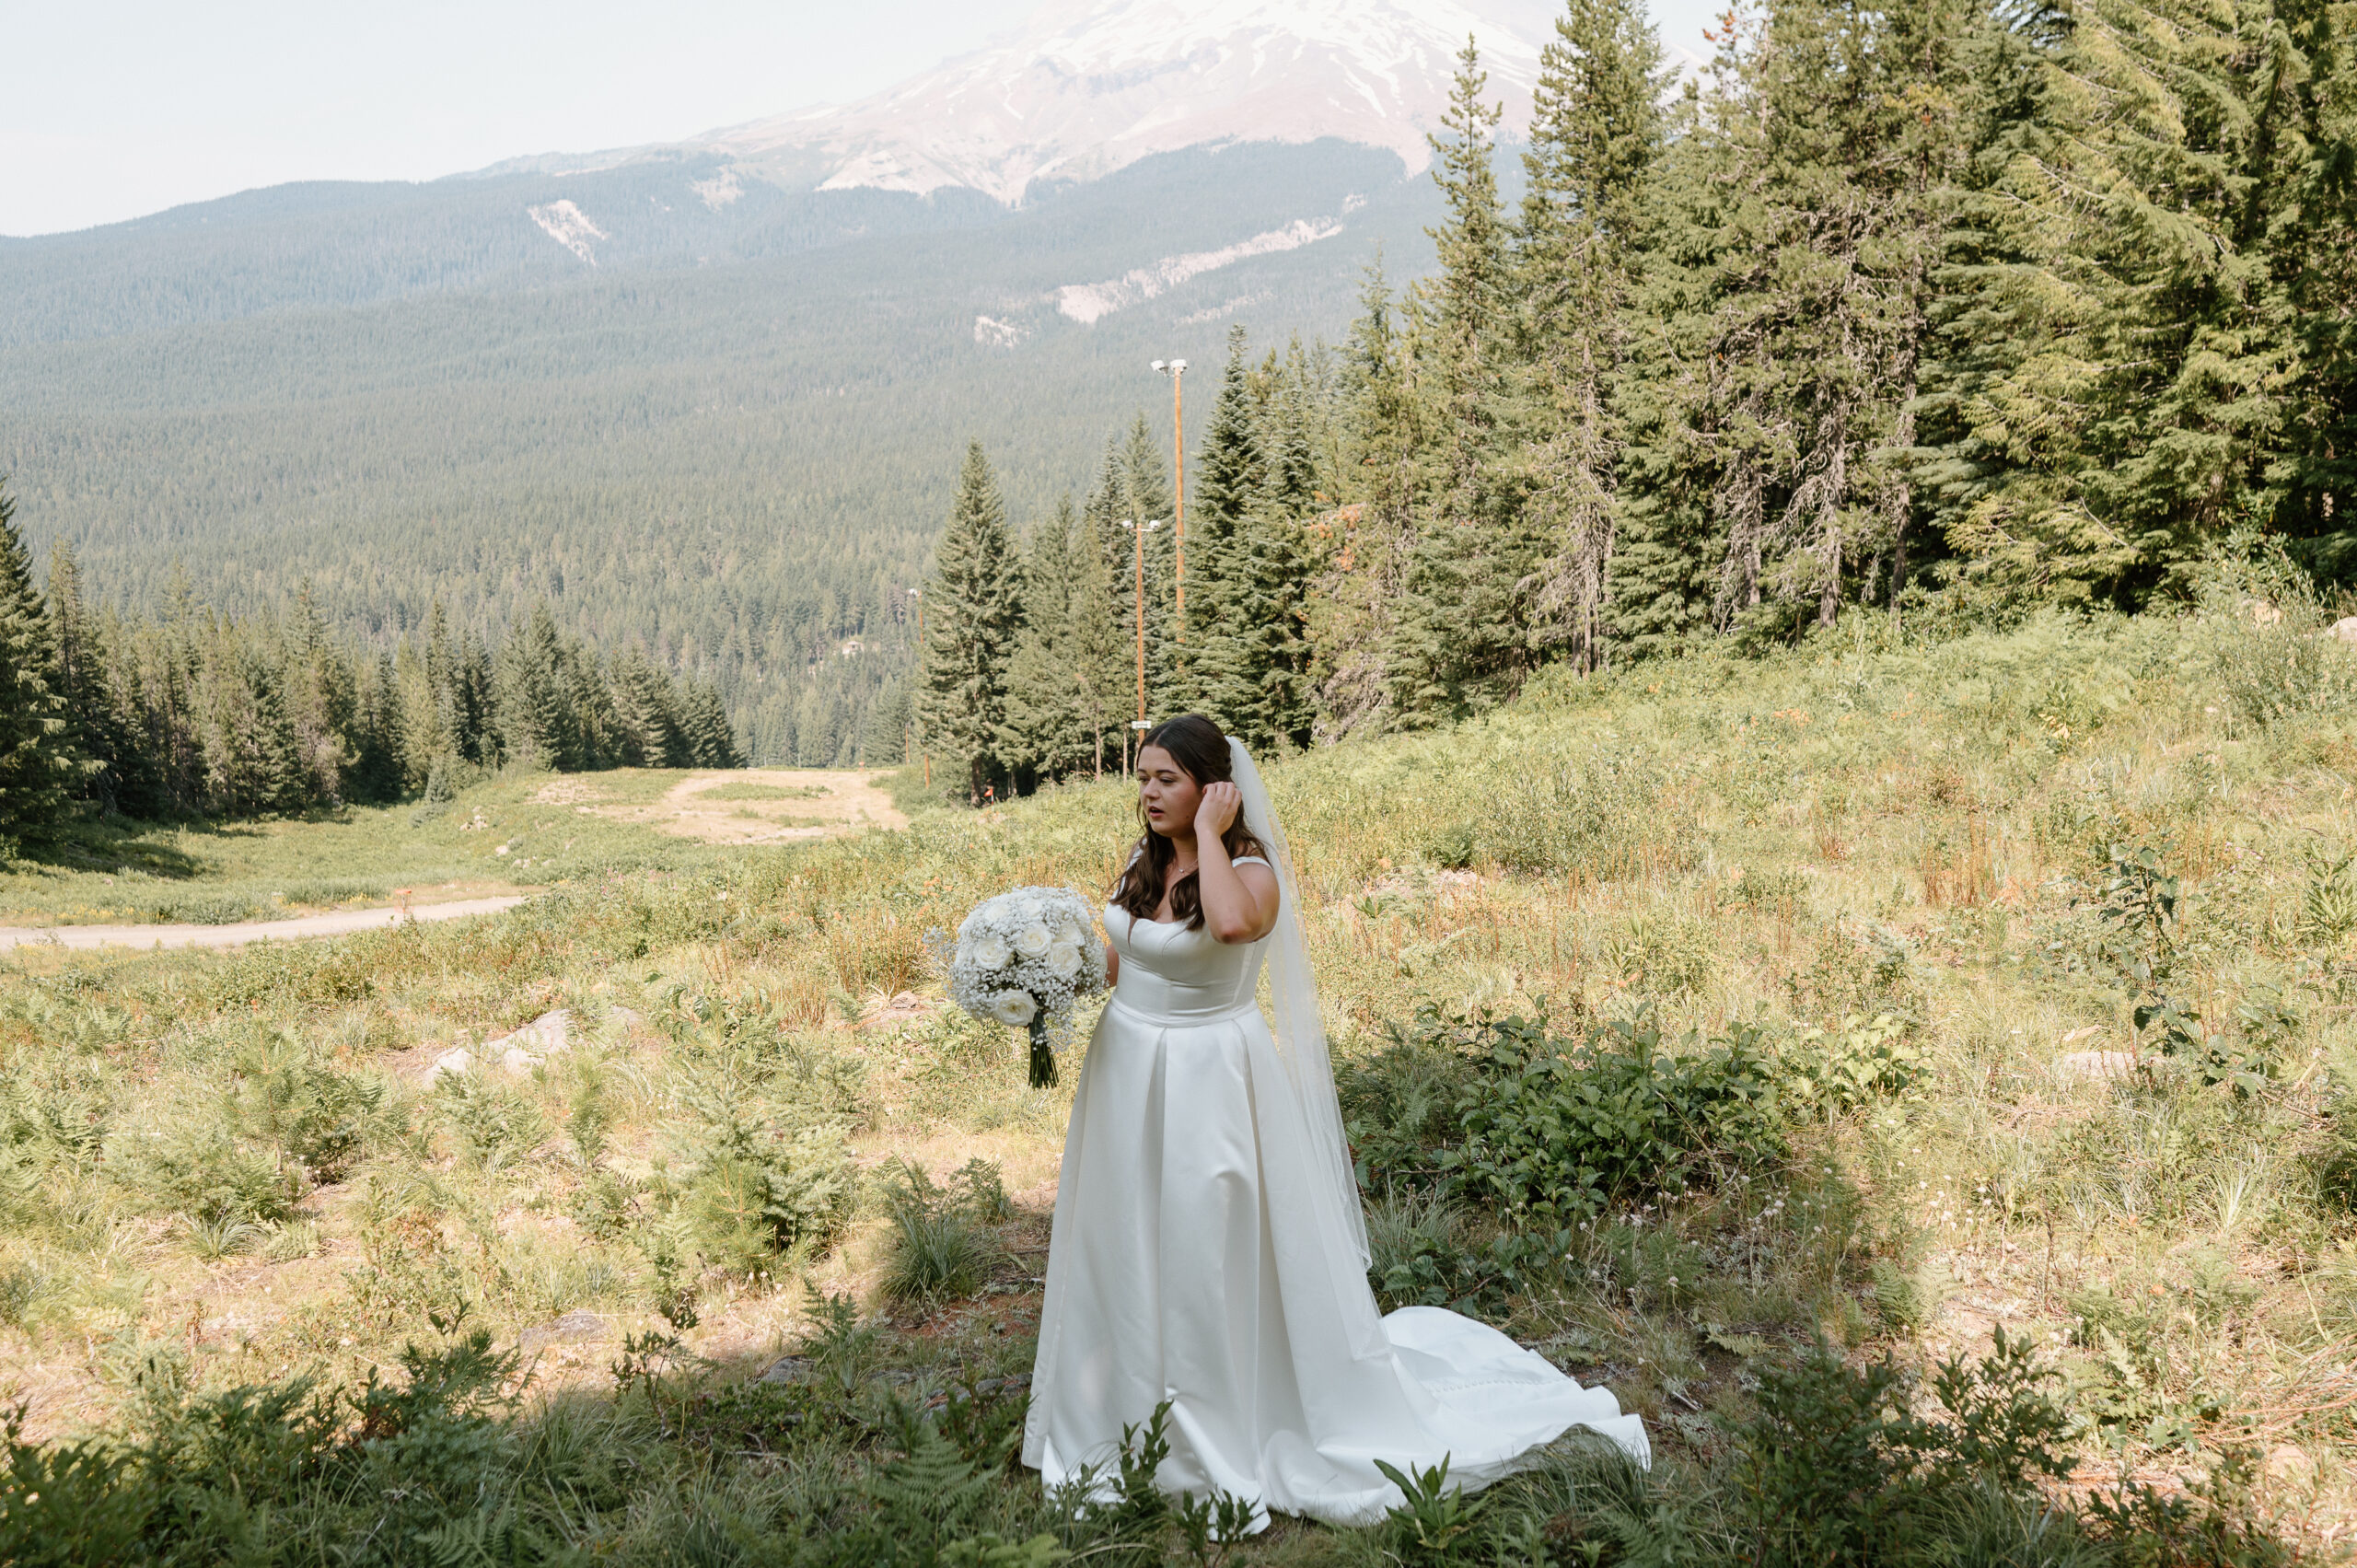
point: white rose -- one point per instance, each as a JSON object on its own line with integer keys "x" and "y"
{"x": 988, "y": 951}
{"x": 1032, "y": 941}
{"x": 1063, "y": 959}
{"x": 1013, "y": 1007}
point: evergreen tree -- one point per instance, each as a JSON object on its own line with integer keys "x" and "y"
{"x": 322, "y": 697}
{"x": 1251, "y": 663}
{"x": 646, "y": 714}
{"x": 2312, "y": 241}
{"x": 1101, "y": 657}
{"x": 1048, "y": 732}
{"x": 1146, "y": 497}
{"x": 1464, "y": 633}
{"x": 1779, "y": 413}
{"x": 1596, "y": 137}
{"x": 1233, "y": 472}
{"x": 536, "y": 710}
{"x": 703, "y": 724}
{"x": 252, "y": 758}
{"x": 973, "y": 616}
{"x": 377, "y": 741}
{"x": 37, "y": 767}
{"x": 96, "y": 724}
{"x": 2114, "y": 365}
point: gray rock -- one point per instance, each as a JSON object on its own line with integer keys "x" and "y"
{"x": 789, "y": 1369}
{"x": 454, "y": 1063}
{"x": 572, "y": 1328}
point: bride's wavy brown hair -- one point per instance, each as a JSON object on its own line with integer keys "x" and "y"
{"x": 1201, "y": 750}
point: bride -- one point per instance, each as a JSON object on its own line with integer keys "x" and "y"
{"x": 1209, "y": 1247}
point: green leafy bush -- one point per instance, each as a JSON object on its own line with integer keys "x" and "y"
{"x": 761, "y": 1170}
{"x": 1554, "y": 1132}
{"x": 2264, "y": 627}
{"x": 1832, "y": 1071}
{"x": 1503, "y": 1113}
{"x": 204, "y": 908}
{"x": 1423, "y": 1252}
{"x": 203, "y": 1174}
{"x": 491, "y": 1123}
{"x": 1839, "y": 1468}
{"x": 320, "y": 1116}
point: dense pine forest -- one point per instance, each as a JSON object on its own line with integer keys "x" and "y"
{"x": 200, "y": 714}
{"x": 1940, "y": 312}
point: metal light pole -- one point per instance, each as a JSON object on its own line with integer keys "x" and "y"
{"x": 1137, "y": 541}
{"x": 918, "y": 594}
{"x": 1177, "y": 370}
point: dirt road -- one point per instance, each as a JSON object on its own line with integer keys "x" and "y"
{"x": 337, "y": 924}
{"x": 745, "y": 805}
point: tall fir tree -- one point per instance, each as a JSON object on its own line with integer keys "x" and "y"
{"x": 2119, "y": 356}
{"x": 1250, "y": 665}
{"x": 710, "y": 740}
{"x": 1047, "y": 733}
{"x": 1596, "y": 137}
{"x": 39, "y": 769}
{"x": 536, "y": 707}
{"x": 2312, "y": 240}
{"x": 646, "y": 713}
{"x": 1777, "y": 417}
{"x": 1232, "y": 472}
{"x": 1148, "y": 499}
{"x": 1354, "y": 602}
{"x": 1100, "y": 655}
{"x": 973, "y": 617}
{"x": 1464, "y": 635}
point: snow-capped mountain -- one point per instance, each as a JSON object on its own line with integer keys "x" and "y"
{"x": 1088, "y": 87}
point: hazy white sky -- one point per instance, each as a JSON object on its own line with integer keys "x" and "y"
{"x": 117, "y": 108}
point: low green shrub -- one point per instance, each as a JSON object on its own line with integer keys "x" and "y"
{"x": 331, "y": 890}
{"x": 1839, "y": 1468}
{"x": 1425, "y": 1253}
{"x": 940, "y": 1247}
{"x": 760, "y": 1169}
{"x": 204, "y": 908}
{"x": 203, "y": 1175}
{"x": 1553, "y": 1133}
{"x": 490, "y": 1124}
{"x": 377, "y": 1475}
{"x": 1549, "y": 1132}
{"x": 288, "y": 1095}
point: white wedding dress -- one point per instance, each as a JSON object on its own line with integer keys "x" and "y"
{"x": 1197, "y": 1259}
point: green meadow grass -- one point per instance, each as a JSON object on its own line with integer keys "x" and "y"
{"x": 122, "y": 872}
{"x": 1824, "y": 945}
{"x": 761, "y": 792}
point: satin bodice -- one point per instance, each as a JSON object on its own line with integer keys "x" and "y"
{"x": 1176, "y": 975}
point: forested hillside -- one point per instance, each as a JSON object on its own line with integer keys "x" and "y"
{"x": 196, "y": 714}
{"x": 1945, "y": 310}
{"x": 1950, "y": 311}
{"x": 742, "y": 464}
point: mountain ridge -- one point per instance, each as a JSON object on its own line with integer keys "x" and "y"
{"x": 1083, "y": 89}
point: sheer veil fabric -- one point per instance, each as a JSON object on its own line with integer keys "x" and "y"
{"x": 1210, "y": 1255}
{"x": 1300, "y": 1035}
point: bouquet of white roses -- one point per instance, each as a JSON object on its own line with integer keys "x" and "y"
{"x": 1022, "y": 959}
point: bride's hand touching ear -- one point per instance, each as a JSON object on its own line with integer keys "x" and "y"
{"x": 1215, "y": 813}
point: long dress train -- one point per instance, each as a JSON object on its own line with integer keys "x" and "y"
{"x": 1186, "y": 1265}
